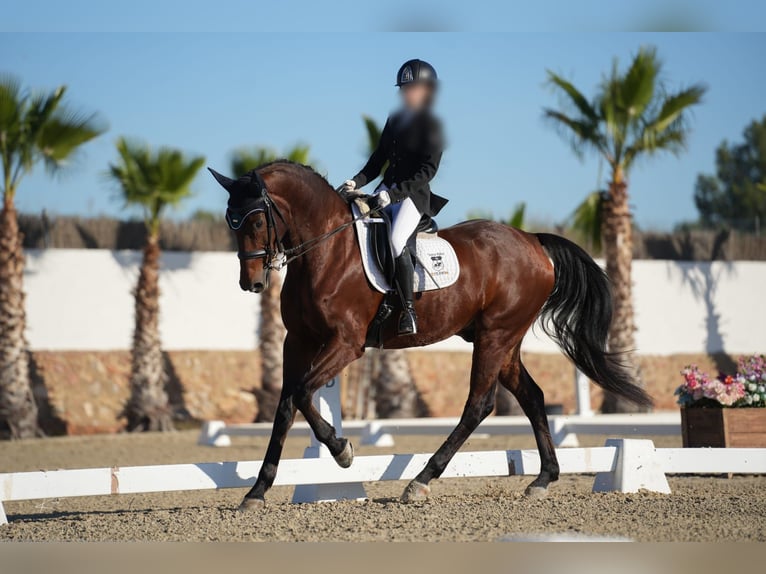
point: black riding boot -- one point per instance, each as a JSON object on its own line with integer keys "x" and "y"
{"x": 404, "y": 283}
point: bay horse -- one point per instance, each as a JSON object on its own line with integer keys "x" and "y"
{"x": 285, "y": 212}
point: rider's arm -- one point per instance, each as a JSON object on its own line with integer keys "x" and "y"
{"x": 375, "y": 164}
{"x": 429, "y": 164}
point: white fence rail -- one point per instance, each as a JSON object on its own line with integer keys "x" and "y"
{"x": 564, "y": 429}
{"x": 623, "y": 465}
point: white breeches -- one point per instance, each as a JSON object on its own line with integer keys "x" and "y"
{"x": 404, "y": 220}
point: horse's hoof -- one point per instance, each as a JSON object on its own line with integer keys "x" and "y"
{"x": 415, "y": 492}
{"x": 251, "y": 505}
{"x": 536, "y": 492}
{"x": 346, "y": 456}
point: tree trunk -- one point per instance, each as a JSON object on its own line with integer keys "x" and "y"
{"x": 618, "y": 251}
{"x": 148, "y": 408}
{"x": 17, "y": 405}
{"x": 272, "y": 340}
{"x": 395, "y": 393}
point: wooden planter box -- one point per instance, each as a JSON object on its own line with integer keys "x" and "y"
{"x": 712, "y": 427}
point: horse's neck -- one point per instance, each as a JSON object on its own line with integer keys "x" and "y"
{"x": 310, "y": 210}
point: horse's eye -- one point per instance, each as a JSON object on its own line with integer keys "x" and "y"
{"x": 259, "y": 223}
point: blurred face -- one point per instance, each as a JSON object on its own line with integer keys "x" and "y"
{"x": 416, "y": 96}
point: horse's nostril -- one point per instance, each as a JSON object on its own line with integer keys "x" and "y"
{"x": 258, "y": 287}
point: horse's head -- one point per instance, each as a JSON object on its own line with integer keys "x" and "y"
{"x": 250, "y": 215}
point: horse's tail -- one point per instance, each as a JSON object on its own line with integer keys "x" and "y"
{"x": 577, "y": 315}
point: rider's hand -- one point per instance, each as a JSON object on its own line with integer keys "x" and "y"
{"x": 379, "y": 200}
{"x": 348, "y": 191}
{"x": 347, "y": 187}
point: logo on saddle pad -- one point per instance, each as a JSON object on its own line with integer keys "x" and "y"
{"x": 437, "y": 262}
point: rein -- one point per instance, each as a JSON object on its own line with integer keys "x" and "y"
{"x": 300, "y": 250}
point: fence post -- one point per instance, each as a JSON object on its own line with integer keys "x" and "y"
{"x": 211, "y": 434}
{"x": 636, "y": 468}
{"x": 327, "y": 402}
{"x": 582, "y": 391}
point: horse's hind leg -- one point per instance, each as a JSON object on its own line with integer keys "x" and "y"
{"x": 515, "y": 378}
{"x": 488, "y": 357}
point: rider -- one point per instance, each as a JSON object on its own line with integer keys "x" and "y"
{"x": 411, "y": 143}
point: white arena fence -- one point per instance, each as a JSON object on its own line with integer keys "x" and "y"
{"x": 624, "y": 465}
{"x": 564, "y": 428}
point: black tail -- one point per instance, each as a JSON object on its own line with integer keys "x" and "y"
{"x": 577, "y": 315}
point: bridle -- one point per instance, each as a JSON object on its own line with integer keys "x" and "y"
{"x": 274, "y": 253}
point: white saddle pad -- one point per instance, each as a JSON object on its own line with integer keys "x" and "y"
{"x": 442, "y": 267}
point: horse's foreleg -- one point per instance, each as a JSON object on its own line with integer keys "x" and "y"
{"x": 515, "y": 378}
{"x": 283, "y": 420}
{"x": 333, "y": 356}
{"x": 487, "y": 360}
{"x": 295, "y": 365}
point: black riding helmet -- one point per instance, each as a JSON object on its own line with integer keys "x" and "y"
{"x": 415, "y": 72}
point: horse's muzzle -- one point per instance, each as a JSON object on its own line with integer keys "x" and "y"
{"x": 252, "y": 287}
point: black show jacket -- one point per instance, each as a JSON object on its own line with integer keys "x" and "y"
{"x": 412, "y": 144}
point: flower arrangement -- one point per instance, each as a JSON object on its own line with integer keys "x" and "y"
{"x": 746, "y": 388}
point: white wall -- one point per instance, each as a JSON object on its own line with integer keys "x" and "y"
{"x": 81, "y": 299}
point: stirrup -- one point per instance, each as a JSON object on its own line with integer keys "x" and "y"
{"x": 408, "y": 322}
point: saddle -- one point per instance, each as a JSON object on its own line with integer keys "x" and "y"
{"x": 380, "y": 243}
{"x": 435, "y": 262}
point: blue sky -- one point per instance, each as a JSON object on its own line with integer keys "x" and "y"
{"x": 209, "y": 93}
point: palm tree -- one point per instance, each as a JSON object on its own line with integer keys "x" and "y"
{"x": 396, "y": 395}
{"x": 152, "y": 180}
{"x": 272, "y": 330}
{"x": 631, "y": 116}
{"x": 35, "y": 128}
{"x": 587, "y": 220}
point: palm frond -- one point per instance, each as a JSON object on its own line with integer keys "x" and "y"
{"x": 373, "y": 133}
{"x": 246, "y": 159}
{"x": 587, "y": 218}
{"x": 153, "y": 179}
{"x": 518, "y": 216}
{"x": 37, "y": 127}
{"x": 299, "y": 154}
{"x": 637, "y": 86}
{"x": 575, "y": 96}
{"x": 582, "y": 133}
{"x": 63, "y": 133}
{"x": 11, "y": 103}
{"x": 673, "y": 107}
{"x": 479, "y": 214}
{"x": 671, "y": 140}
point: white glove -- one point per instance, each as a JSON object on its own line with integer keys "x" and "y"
{"x": 384, "y": 200}
{"x": 379, "y": 200}
{"x": 348, "y": 186}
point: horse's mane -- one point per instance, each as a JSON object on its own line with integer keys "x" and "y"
{"x": 298, "y": 168}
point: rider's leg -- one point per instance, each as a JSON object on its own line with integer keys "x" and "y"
{"x": 405, "y": 220}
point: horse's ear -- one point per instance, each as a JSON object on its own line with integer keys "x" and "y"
{"x": 226, "y": 182}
